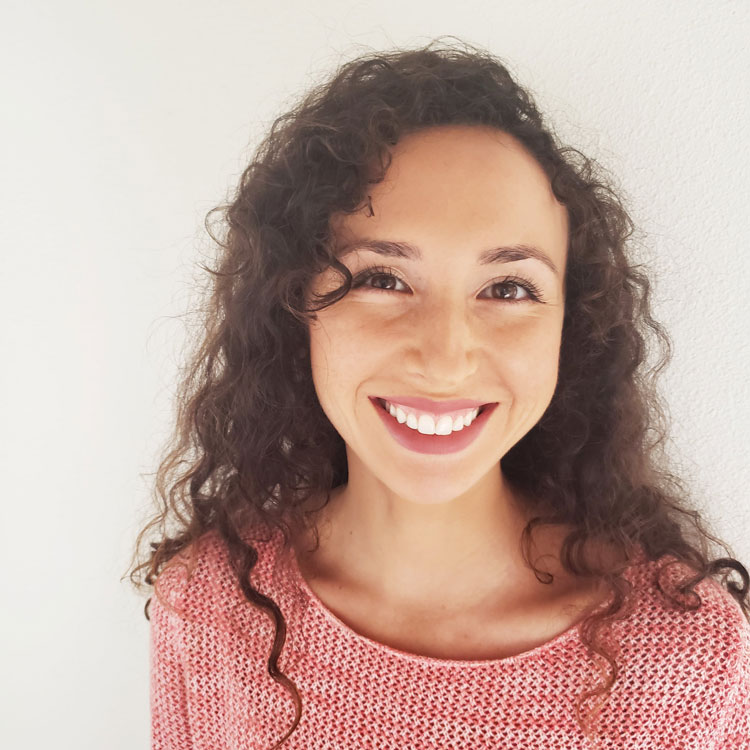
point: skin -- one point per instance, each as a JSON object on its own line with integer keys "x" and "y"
{"x": 435, "y": 537}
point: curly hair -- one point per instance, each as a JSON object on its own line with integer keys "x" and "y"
{"x": 252, "y": 445}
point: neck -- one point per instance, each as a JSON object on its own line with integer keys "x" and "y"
{"x": 420, "y": 555}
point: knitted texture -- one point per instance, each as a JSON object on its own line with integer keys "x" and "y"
{"x": 683, "y": 680}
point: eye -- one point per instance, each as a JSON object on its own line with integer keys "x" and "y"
{"x": 388, "y": 276}
{"x": 378, "y": 272}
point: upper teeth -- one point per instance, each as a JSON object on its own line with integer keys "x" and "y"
{"x": 432, "y": 424}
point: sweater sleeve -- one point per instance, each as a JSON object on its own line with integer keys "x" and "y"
{"x": 170, "y": 729}
{"x": 736, "y": 726}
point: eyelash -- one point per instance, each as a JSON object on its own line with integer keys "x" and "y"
{"x": 531, "y": 289}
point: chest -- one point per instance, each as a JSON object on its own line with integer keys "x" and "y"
{"x": 494, "y": 634}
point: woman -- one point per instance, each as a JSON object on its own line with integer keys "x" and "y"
{"x": 431, "y": 490}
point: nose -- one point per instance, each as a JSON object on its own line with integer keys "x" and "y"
{"x": 442, "y": 347}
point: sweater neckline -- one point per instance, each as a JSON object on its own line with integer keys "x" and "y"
{"x": 369, "y": 644}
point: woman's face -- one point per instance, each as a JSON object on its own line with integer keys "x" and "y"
{"x": 445, "y": 325}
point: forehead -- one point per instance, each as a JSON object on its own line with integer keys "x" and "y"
{"x": 450, "y": 183}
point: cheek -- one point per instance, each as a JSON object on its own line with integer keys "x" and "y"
{"x": 340, "y": 362}
{"x": 528, "y": 360}
{"x": 338, "y": 351}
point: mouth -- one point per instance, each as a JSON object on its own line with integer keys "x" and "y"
{"x": 433, "y": 443}
{"x": 381, "y": 402}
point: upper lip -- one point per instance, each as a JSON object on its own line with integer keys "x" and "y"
{"x": 434, "y": 407}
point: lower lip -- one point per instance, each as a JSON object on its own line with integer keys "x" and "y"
{"x": 440, "y": 444}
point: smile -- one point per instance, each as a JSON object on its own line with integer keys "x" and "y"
{"x": 428, "y": 423}
{"x": 422, "y": 433}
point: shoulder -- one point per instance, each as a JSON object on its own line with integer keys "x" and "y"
{"x": 200, "y": 583}
{"x": 687, "y": 662}
{"x": 708, "y": 643}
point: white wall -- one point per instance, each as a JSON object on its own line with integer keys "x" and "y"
{"x": 123, "y": 123}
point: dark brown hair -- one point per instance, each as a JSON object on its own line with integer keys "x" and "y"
{"x": 252, "y": 445}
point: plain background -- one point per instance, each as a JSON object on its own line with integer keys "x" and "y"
{"x": 124, "y": 123}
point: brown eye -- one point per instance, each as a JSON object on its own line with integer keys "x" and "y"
{"x": 513, "y": 288}
{"x": 381, "y": 275}
{"x": 383, "y": 279}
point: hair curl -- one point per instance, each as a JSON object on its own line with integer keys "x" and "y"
{"x": 251, "y": 443}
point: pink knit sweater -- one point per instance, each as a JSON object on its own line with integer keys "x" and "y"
{"x": 683, "y": 682}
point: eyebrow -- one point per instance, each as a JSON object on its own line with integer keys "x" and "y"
{"x": 503, "y": 254}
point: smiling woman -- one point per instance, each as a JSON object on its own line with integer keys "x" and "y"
{"x": 422, "y": 374}
{"x": 439, "y": 333}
